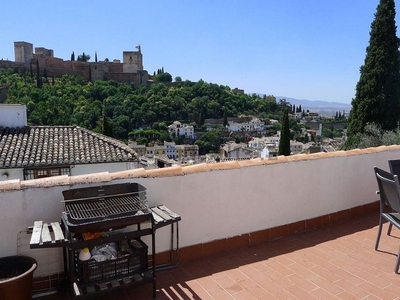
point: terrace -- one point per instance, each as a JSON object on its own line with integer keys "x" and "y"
{"x": 299, "y": 227}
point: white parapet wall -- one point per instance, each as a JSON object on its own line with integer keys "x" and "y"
{"x": 215, "y": 201}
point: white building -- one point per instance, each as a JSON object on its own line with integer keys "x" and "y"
{"x": 234, "y": 127}
{"x": 178, "y": 129}
{"x": 296, "y": 147}
{"x": 231, "y": 150}
{"x": 257, "y": 125}
{"x": 170, "y": 149}
{"x": 253, "y": 125}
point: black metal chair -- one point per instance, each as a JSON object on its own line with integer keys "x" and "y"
{"x": 389, "y": 192}
{"x": 394, "y": 166}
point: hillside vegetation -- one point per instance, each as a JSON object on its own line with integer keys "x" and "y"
{"x": 117, "y": 109}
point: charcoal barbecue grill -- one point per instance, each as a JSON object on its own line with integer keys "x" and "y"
{"x": 101, "y": 208}
{"x": 106, "y": 208}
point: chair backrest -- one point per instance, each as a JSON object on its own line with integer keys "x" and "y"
{"x": 389, "y": 188}
{"x": 394, "y": 166}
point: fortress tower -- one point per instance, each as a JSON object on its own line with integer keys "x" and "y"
{"x": 40, "y": 51}
{"x": 23, "y": 52}
{"x": 129, "y": 71}
{"x": 132, "y": 61}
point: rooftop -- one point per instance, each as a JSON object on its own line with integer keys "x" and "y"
{"x": 296, "y": 227}
{"x": 33, "y": 146}
{"x": 334, "y": 262}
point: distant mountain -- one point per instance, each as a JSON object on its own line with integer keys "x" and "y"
{"x": 322, "y": 107}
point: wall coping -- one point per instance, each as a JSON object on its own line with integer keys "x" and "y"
{"x": 17, "y": 184}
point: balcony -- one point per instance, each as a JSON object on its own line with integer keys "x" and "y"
{"x": 334, "y": 262}
{"x": 299, "y": 227}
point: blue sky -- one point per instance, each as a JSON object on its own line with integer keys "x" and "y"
{"x": 304, "y": 49}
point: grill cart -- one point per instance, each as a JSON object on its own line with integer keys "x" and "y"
{"x": 109, "y": 221}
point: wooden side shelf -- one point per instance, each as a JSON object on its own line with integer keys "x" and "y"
{"x": 45, "y": 236}
{"x": 164, "y": 216}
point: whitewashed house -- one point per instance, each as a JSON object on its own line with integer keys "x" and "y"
{"x": 178, "y": 129}
{"x": 231, "y": 150}
{"x": 253, "y": 125}
{"x": 170, "y": 149}
{"x": 296, "y": 147}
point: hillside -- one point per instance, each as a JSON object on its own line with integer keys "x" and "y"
{"x": 116, "y": 109}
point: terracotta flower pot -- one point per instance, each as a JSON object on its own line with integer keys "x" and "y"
{"x": 16, "y": 275}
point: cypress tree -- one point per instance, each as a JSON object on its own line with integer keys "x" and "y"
{"x": 72, "y": 56}
{"x": 284, "y": 141}
{"x": 38, "y": 77}
{"x": 225, "y": 118}
{"x": 377, "y": 98}
{"x": 306, "y": 138}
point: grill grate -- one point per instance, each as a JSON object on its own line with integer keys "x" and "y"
{"x": 109, "y": 207}
{"x": 99, "y": 208}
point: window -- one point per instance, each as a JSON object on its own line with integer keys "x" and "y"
{"x": 45, "y": 172}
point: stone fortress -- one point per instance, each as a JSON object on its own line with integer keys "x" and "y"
{"x": 129, "y": 71}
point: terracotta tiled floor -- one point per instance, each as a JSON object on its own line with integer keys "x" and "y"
{"x": 334, "y": 262}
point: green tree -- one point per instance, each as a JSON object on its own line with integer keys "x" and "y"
{"x": 377, "y": 98}
{"x": 209, "y": 141}
{"x": 306, "y": 138}
{"x": 83, "y": 57}
{"x": 163, "y": 77}
{"x": 284, "y": 141}
{"x": 38, "y": 77}
{"x": 225, "y": 118}
{"x": 142, "y": 141}
{"x": 45, "y": 73}
{"x": 72, "y": 56}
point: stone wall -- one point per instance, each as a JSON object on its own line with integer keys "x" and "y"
{"x": 114, "y": 67}
{"x": 131, "y": 71}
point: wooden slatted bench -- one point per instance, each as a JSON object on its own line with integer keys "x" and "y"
{"x": 45, "y": 236}
{"x": 163, "y": 216}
